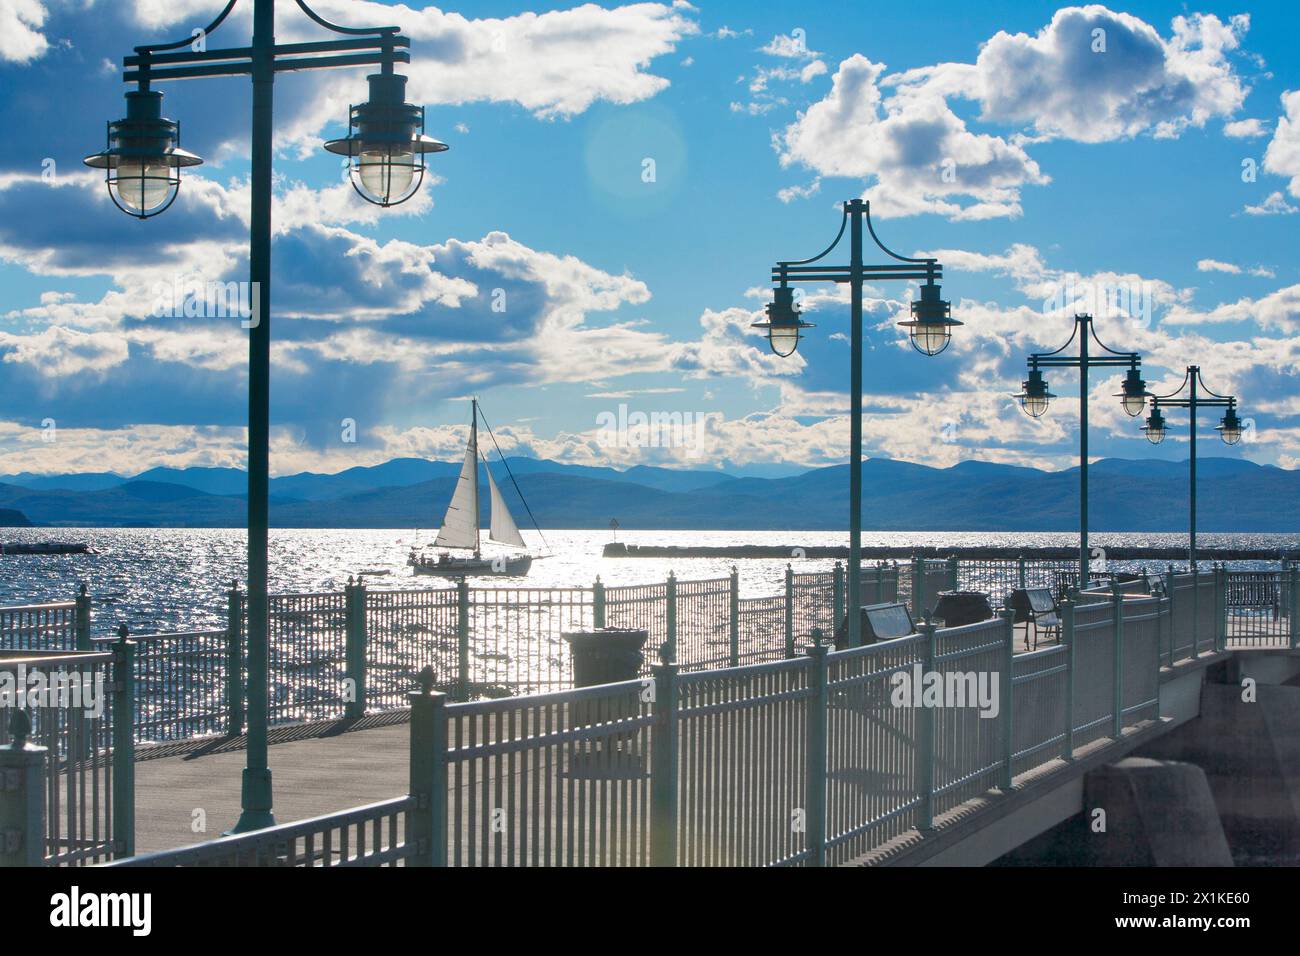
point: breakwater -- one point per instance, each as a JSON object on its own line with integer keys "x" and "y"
{"x": 759, "y": 551}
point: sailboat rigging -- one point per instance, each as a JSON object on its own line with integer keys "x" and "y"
{"x": 460, "y": 527}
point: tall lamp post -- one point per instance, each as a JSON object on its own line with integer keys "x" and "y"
{"x": 385, "y": 145}
{"x": 930, "y": 328}
{"x": 1198, "y": 396}
{"x": 1034, "y": 399}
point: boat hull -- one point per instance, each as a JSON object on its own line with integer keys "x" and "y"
{"x": 513, "y": 567}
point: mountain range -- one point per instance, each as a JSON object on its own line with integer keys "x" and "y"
{"x": 1124, "y": 495}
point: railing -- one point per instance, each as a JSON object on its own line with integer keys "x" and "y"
{"x": 358, "y": 651}
{"x": 57, "y": 626}
{"x": 372, "y": 835}
{"x": 1259, "y": 609}
{"x": 810, "y": 760}
{"x": 404, "y": 632}
{"x": 515, "y": 638}
{"x": 761, "y": 626}
{"x": 182, "y": 683}
{"x": 550, "y": 780}
{"x": 68, "y": 706}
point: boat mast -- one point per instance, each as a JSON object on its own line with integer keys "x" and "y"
{"x": 473, "y": 440}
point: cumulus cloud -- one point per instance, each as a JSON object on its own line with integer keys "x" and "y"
{"x": 1282, "y": 158}
{"x": 1274, "y": 205}
{"x": 1214, "y": 265}
{"x": 1091, "y": 75}
{"x": 921, "y": 154}
{"x": 21, "y": 39}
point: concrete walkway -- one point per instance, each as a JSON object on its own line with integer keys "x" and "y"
{"x": 311, "y": 776}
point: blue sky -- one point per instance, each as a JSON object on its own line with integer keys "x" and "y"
{"x": 1159, "y": 157}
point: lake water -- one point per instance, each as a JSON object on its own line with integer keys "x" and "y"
{"x": 159, "y": 579}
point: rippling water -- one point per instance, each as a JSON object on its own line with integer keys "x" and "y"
{"x": 176, "y": 578}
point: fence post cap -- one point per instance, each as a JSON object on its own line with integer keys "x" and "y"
{"x": 82, "y": 592}
{"x": 425, "y": 679}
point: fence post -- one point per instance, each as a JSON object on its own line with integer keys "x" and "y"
{"x": 234, "y": 661}
{"x": 925, "y": 734}
{"x": 837, "y": 595}
{"x": 733, "y": 618}
{"x": 1008, "y": 700}
{"x": 670, "y": 615}
{"x": 1292, "y": 612}
{"x": 789, "y": 612}
{"x": 1067, "y": 635}
{"x": 462, "y": 639}
{"x": 123, "y": 748}
{"x": 354, "y": 647}
{"x": 1220, "y": 607}
{"x": 22, "y": 798}
{"x": 954, "y": 573}
{"x": 598, "y": 604}
{"x": 1020, "y": 572}
{"x": 426, "y": 825}
{"x": 82, "y": 625}
{"x": 815, "y": 787}
{"x": 918, "y": 588}
{"x": 663, "y": 764}
{"x": 1117, "y": 610}
{"x": 1196, "y": 613}
{"x": 1170, "y": 587}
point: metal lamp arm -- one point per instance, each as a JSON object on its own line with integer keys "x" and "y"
{"x": 844, "y": 221}
{"x": 354, "y": 31}
{"x": 884, "y": 248}
{"x": 207, "y": 31}
{"x": 1136, "y": 359}
{"x": 1201, "y": 382}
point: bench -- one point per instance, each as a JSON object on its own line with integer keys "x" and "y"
{"x": 1036, "y": 606}
{"x": 880, "y": 622}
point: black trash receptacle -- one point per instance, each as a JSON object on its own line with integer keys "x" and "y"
{"x": 957, "y": 608}
{"x": 607, "y": 655}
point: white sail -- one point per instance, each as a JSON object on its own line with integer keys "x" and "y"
{"x": 460, "y": 526}
{"x": 504, "y": 529}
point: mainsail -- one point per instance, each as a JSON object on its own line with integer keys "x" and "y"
{"x": 460, "y": 526}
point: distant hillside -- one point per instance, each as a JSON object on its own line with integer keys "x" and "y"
{"x": 1235, "y": 495}
{"x": 9, "y": 518}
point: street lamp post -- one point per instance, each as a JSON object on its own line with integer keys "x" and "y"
{"x": 930, "y": 329}
{"x": 1034, "y": 399}
{"x": 386, "y": 146}
{"x": 1229, "y": 429}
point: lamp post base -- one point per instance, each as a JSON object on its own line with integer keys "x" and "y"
{"x": 256, "y": 800}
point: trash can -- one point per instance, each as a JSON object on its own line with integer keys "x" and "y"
{"x": 606, "y": 655}
{"x": 957, "y": 608}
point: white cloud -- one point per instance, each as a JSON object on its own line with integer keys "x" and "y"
{"x": 1245, "y": 129}
{"x": 20, "y": 23}
{"x": 1282, "y": 158}
{"x": 1214, "y": 265}
{"x": 1091, "y": 75}
{"x": 921, "y": 154}
{"x": 793, "y": 45}
{"x": 1274, "y": 205}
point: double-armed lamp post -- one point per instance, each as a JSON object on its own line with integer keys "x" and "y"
{"x": 930, "y": 327}
{"x": 1034, "y": 399}
{"x": 1198, "y": 396}
{"x": 385, "y": 147}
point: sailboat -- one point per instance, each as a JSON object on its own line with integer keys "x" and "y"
{"x": 460, "y": 526}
